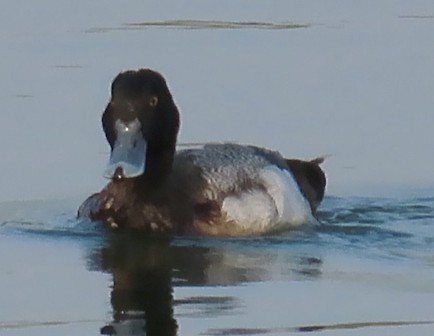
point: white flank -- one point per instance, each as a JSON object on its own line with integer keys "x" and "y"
{"x": 292, "y": 208}
{"x": 251, "y": 210}
{"x": 280, "y": 205}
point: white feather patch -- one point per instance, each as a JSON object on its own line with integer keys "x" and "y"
{"x": 252, "y": 210}
{"x": 280, "y": 205}
{"x": 292, "y": 207}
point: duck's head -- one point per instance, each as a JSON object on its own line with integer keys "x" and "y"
{"x": 141, "y": 123}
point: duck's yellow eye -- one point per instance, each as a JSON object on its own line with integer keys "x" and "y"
{"x": 153, "y": 101}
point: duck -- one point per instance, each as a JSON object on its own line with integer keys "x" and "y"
{"x": 216, "y": 189}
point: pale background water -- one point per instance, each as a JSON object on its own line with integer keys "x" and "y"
{"x": 349, "y": 79}
{"x": 356, "y": 83}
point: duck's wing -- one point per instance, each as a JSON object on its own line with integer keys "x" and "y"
{"x": 253, "y": 187}
{"x": 229, "y": 168}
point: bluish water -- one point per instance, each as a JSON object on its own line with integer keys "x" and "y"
{"x": 367, "y": 269}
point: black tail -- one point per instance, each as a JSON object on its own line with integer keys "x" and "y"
{"x": 310, "y": 178}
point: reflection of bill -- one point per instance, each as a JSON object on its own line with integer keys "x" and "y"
{"x": 145, "y": 270}
{"x": 125, "y": 327}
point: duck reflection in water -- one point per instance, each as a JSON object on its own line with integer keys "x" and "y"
{"x": 141, "y": 296}
{"x": 145, "y": 271}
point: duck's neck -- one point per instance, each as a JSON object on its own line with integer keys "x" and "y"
{"x": 159, "y": 161}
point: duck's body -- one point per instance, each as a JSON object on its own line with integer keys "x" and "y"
{"x": 219, "y": 189}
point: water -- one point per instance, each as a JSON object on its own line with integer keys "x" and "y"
{"x": 368, "y": 269}
{"x": 351, "y": 79}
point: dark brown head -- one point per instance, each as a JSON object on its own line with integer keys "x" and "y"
{"x": 141, "y": 124}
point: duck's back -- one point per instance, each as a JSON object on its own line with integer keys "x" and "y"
{"x": 249, "y": 189}
{"x": 229, "y": 168}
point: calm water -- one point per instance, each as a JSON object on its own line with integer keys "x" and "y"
{"x": 351, "y": 79}
{"x": 367, "y": 270}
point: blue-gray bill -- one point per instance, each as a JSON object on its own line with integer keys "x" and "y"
{"x": 128, "y": 155}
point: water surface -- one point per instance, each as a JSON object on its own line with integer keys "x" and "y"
{"x": 367, "y": 269}
{"x": 353, "y": 80}
{"x": 308, "y": 78}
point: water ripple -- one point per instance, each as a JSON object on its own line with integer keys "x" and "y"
{"x": 313, "y": 328}
{"x": 392, "y": 227}
{"x": 202, "y": 24}
{"x": 375, "y": 211}
{"x": 397, "y": 228}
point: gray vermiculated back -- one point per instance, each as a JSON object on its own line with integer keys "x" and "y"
{"x": 231, "y": 167}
